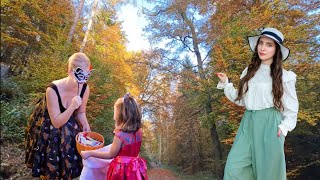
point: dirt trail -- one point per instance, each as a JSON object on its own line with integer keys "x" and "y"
{"x": 161, "y": 174}
{"x": 12, "y": 163}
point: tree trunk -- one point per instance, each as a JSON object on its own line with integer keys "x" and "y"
{"x": 214, "y": 134}
{"x": 75, "y": 21}
{"x": 160, "y": 149}
{"x": 216, "y": 144}
{"x": 84, "y": 42}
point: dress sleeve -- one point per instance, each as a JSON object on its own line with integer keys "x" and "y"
{"x": 119, "y": 134}
{"x": 229, "y": 90}
{"x": 290, "y": 102}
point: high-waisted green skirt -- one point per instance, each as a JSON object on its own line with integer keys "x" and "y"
{"x": 257, "y": 152}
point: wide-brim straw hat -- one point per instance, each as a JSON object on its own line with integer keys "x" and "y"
{"x": 274, "y": 34}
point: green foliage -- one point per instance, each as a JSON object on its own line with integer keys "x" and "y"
{"x": 42, "y": 70}
{"x": 16, "y": 107}
{"x": 13, "y": 120}
{"x": 104, "y": 124}
{"x": 14, "y": 111}
{"x": 225, "y": 129}
{"x": 9, "y": 89}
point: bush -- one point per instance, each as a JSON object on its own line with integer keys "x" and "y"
{"x": 15, "y": 109}
{"x": 41, "y": 71}
{"x": 9, "y": 89}
{"x": 13, "y": 120}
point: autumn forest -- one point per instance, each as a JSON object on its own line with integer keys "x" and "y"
{"x": 188, "y": 124}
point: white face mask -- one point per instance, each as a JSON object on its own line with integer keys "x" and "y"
{"x": 80, "y": 75}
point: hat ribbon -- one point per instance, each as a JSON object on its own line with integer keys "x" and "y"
{"x": 274, "y": 35}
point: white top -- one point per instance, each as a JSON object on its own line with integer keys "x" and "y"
{"x": 259, "y": 95}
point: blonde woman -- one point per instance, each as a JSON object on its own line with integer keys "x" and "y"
{"x": 51, "y": 147}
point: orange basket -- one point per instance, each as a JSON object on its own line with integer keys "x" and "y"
{"x": 94, "y": 135}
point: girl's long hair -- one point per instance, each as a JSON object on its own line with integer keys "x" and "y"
{"x": 129, "y": 115}
{"x": 276, "y": 75}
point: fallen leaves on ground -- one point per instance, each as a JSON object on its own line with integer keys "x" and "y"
{"x": 161, "y": 174}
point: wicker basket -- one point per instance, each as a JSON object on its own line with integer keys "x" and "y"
{"x": 94, "y": 135}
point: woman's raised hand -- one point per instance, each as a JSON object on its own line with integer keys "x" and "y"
{"x": 76, "y": 102}
{"x": 223, "y": 77}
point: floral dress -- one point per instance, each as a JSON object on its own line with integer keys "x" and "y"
{"x": 127, "y": 164}
{"x": 51, "y": 152}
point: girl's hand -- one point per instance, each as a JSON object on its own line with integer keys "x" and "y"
{"x": 85, "y": 154}
{"x": 223, "y": 77}
{"x": 279, "y": 132}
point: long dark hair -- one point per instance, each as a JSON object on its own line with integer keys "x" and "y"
{"x": 276, "y": 75}
{"x": 130, "y": 114}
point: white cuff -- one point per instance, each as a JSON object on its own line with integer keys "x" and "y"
{"x": 222, "y": 85}
{"x": 283, "y": 129}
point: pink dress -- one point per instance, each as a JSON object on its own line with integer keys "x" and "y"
{"x": 127, "y": 165}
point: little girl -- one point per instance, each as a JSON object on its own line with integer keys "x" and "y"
{"x": 125, "y": 148}
{"x": 269, "y": 95}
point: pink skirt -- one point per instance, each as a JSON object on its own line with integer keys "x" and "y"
{"x": 126, "y": 167}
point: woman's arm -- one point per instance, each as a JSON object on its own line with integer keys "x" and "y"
{"x": 58, "y": 119}
{"x": 81, "y": 112}
{"x": 114, "y": 150}
{"x": 229, "y": 90}
{"x": 290, "y": 104}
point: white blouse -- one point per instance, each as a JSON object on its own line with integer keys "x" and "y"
{"x": 259, "y": 95}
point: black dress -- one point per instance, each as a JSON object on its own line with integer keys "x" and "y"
{"x": 51, "y": 152}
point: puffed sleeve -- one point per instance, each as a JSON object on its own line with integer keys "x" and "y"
{"x": 229, "y": 90}
{"x": 118, "y": 133}
{"x": 290, "y": 102}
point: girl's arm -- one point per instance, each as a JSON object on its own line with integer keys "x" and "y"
{"x": 57, "y": 118}
{"x": 290, "y": 103}
{"x": 81, "y": 112}
{"x": 114, "y": 150}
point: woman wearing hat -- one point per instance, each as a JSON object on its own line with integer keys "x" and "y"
{"x": 268, "y": 93}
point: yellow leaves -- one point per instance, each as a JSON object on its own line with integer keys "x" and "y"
{"x": 8, "y": 40}
{"x": 112, "y": 54}
{"x": 134, "y": 89}
{"x": 310, "y": 118}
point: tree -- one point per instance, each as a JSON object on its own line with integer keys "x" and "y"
{"x": 31, "y": 27}
{"x": 182, "y": 25}
{"x": 85, "y": 39}
{"x": 75, "y": 21}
